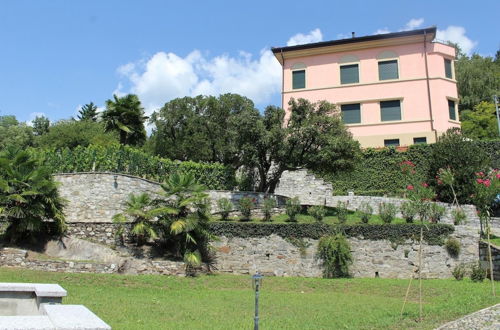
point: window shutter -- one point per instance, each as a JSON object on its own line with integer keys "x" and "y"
{"x": 349, "y": 74}
{"x": 351, "y": 113}
{"x": 299, "y": 79}
{"x": 447, "y": 69}
{"x": 388, "y": 70}
{"x": 451, "y": 110}
{"x": 390, "y": 110}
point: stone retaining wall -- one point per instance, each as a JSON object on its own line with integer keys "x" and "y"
{"x": 495, "y": 256}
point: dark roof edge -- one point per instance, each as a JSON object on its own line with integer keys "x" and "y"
{"x": 431, "y": 29}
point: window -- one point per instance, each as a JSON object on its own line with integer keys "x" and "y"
{"x": 351, "y": 113}
{"x": 299, "y": 79}
{"x": 420, "y": 140}
{"x": 388, "y": 70}
{"x": 451, "y": 110}
{"x": 391, "y": 143}
{"x": 448, "y": 71}
{"x": 349, "y": 74}
{"x": 390, "y": 110}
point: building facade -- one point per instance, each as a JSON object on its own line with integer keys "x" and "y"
{"x": 394, "y": 89}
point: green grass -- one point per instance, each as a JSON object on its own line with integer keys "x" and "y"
{"x": 226, "y": 302}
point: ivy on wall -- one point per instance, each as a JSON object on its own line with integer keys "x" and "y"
{"x": 124, "y": 159}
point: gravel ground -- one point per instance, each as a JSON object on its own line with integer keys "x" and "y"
{"x": 485, "y": 319}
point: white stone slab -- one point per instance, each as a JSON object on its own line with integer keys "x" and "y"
{"x": 72, "y": 317}
{"x": 26, "y": 323}
{"x": 41, "y": 290}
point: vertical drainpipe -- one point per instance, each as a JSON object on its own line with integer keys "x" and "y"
{"x": 282, "y": 80}
{"x": 429, "y": 87}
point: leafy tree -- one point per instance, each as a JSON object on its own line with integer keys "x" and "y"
{"x": 14, "y": 134}
{"x": 478, "y": 79}
{"x": 185, "y": 227}
{"x": 28, "y": 197}
{"x": 480, "y": 123}
{"x": 313, "y": 137}
{"x": 72, "y": 133}
{"x": 41, "y": 125}
{"x": 126, "y": 116}
{"x": 452, "y": 150}
{"x": 88, "y": 112}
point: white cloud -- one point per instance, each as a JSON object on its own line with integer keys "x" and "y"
{"x": 382, "y": 31}
{"x": 165, "y": 76}
{"x": 457, "y": 35}
{"x": 413, "y": 24}
{"x": 300, "y": 38}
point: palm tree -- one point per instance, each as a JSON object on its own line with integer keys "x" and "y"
{"x": 28, "y": 197}
{"x": 141, "y": 209}
{"x": 126, "y": 115}
{"x": 187, "y": 227}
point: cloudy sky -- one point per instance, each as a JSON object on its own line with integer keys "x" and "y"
{"x": 57, "y": 55}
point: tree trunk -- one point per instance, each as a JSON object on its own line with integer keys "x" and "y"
{"x": 420, "y": 271}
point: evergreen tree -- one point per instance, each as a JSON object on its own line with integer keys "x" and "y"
{"x": 88, "y": 112}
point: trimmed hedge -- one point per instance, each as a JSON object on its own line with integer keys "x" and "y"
{"x": 434, "y": 234}
{"x": 124, "y": 159}
{"x": 378, "y": 172}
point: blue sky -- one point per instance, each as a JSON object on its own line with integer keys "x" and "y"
{"x": 57, "y": 55}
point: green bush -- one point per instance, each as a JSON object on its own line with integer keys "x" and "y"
{"x": 225, "y": 207}
{"x": 366, "y": 211}
{"x": 459, "y": 272}
{"x": 459, "y": 216}
{"x": 335, "y": 252}
{"x": 317, "y": 212}
{"x": 245, "y": 206}
{"x": 408, "y": 211}
{"x": 292, "y": 208}
{"x": 387, "y": 212}
{"x": 452, "y": 246}
{"x": 435, "y": 212}
{"x": 267, "y": 206}
{"x": 129, "y": 160}
{"x": 477, "y": 274}
{"x": 342, "y": 211}
{"x": 434, "y": 234}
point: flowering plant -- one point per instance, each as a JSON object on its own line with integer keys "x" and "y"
{"x": 487, "y": 186}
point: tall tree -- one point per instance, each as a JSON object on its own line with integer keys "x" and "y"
{"x": 481, "y": 122}
{"x": 88, "y": 112}
{"x": 14, "y": 133}
{"x": 126, "y": 115}
{"x": 41, "y": 125}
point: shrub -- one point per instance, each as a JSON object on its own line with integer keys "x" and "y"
{"x": 477, "y": 274}
{"x": 342, "y": 212}
{"x": 225, "y": 207}
{"x": 408, "y": 211}
{"x": 245, "y": 206}
{"x": 317, "y": 212}
{"x": 335, "y": 252}
{"x": 267, "y": 206}
{"x": 366, "y": 211}
{"x": 387, "y": 212}
{"x": 435, "y": 212}
{"x": 292, "y": 208}
{"x": 459, "y": 272}
{"x": 459, "y": 216}
{"x": 452, "y": 245}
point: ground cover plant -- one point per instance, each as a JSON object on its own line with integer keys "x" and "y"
{"x": 227, "y": 302}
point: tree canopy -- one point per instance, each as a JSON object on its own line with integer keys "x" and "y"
{"x": 14, "y": 133}
{"x": 481, "y": 122}
{"x": 88, "y": 112}
{"x": 41, "y": 125}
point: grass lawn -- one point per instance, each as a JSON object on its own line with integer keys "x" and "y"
{"x": 226, "y": 302}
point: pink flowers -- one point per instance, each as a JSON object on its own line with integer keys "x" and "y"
{"x": 409, "y": 187}
{"x": 480, "y": 181}
{"x": 408, "y": 163}
{"x": 487, "y": 182}
{"x": 424, "y": 184}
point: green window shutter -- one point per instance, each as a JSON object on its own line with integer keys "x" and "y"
{"x": 349, "y": 74}
{"x": 390, "y": 110}
{"x": 388, "y": 70}
{"x": 420, "y": 140}
{"x": 451, "y": 110}
{"x": 351, "y": 113}
{"x": 391, "y": 143}
{"x": 299, "y": 79}
{"x": 447, "y": 69}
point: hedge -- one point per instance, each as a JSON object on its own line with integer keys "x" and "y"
{"x": 379, "y": 172}
{"x": 434, "y": 234}
{"x": 124, "y": 159}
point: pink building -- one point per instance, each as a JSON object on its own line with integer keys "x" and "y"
{"x": 393, "y": 89}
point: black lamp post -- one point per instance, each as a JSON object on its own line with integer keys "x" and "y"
{"x": 256, "y": 283}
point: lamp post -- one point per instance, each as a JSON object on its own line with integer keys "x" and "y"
{"x": 495, "y": 98}
{"x": 256, "y": 283}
